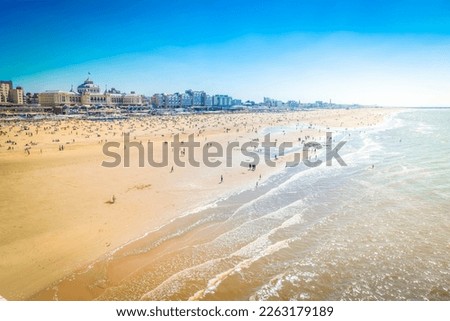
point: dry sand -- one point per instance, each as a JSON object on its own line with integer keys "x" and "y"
{"x": 57, "y": 213}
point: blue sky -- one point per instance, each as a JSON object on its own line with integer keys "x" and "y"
{"x": 370, "y": 52}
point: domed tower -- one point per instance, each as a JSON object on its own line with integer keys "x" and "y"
{"x": 88, "y": 87}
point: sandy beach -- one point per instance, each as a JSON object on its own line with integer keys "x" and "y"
{"x": 62, "y": 212}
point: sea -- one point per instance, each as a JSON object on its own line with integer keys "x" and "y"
{"x": 375, "y": 229}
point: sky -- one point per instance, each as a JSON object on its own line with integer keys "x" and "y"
{"x": 389, "y": 53}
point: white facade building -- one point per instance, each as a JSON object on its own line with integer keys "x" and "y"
{"x": 88, "y": 94}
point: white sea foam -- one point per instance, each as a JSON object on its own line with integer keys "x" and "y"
{"x": 272, "y": 288}
{"x": 295, "y": 219}
{"x": 174, "y": 282}
{"x": 424, "y": 128}
{"x": 252, "y": 252}
{"x": 262, "y": 247}
{"x": 269, "y": 290}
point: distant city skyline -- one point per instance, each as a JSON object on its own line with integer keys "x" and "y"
{"x": 385, "y": 53}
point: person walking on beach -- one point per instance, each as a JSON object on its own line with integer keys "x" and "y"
{"x": 221, "y": 179}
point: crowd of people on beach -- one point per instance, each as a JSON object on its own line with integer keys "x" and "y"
{"x": 72, "y": 134}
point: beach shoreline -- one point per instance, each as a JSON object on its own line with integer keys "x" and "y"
{"x": 65, "y": 213}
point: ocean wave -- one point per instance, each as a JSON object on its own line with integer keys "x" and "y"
{"x": 251, "y": 252}
{"x": 264, "y": 249}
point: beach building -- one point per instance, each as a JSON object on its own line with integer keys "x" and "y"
{"x": 89, "y": 94}
{"x": 199, "y": 100}
{"x": 222, "y": 100}
{"x": 198, "y": 97}
{"x": 16, "y": 96}
{"x": 159, "y": 101}
{"x": 208, "y": 101}
{"x": 54, "y": 98}
{"x": 173, "y": 100}
{"x": 185, "y": 100}
{"x": 9, "y": 94}
{"x": 236, "y": 102}
{"x": 131, "y": 99}
{"x": 5, "y": 87}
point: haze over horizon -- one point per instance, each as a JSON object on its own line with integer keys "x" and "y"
{"x": 391, "y": 54}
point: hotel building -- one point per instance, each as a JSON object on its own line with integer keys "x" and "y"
{"x": 9, "y": 95}
{"x": 88, "y": 94}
